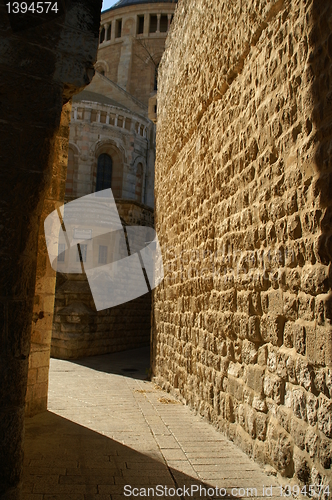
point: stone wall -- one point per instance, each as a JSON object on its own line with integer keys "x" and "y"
{"x": 242, "y": 322}
{"x": 79, "y": 330}
{"x": 40, "y": 71}
{"x": 42, "y": 319}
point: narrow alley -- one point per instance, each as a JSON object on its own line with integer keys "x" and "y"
{"x": 110, "y": 434}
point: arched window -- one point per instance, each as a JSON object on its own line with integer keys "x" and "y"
{"x": 139, "y": 180}
{"x": 104, "y": 172}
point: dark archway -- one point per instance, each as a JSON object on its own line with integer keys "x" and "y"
{"x": 104, "y": 172}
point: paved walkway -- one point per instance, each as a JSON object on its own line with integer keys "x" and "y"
{"x": 108, "y": 431}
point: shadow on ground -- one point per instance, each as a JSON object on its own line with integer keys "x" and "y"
{"x": 133, "y": 363}
{"x": 66, "y": 461}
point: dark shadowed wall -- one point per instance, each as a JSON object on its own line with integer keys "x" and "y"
{"x": 44, "y": 60}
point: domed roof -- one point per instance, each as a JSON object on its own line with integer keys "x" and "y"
{"x": 127, "y": 3}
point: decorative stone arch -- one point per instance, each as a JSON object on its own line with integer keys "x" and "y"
{"x": 102, "y": 67}
{"x": 72, "y": 168}
{"x": 75, "y": 148}
{"x": 117, "y": 154}
{"x": 140, "y": 178}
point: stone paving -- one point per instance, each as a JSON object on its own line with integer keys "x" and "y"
{"x": 108, "y": 431}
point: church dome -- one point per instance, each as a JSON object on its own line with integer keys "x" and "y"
{"x": 127, "y": 3}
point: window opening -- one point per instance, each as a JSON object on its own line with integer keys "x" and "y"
{"x": 104, "y": 172}
{"x": 163, "y": 23}
{"x": 140, "y": 25}
{"x": 102, "y": 35}
{"x": 153, "y": 23}
{"x": 118, "y": 30}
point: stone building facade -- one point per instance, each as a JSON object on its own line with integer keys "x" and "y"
{"x": 242, "y": 322}
{"x": 111, "y": 133}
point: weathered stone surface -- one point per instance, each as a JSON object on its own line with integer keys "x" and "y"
{"x": 302, "y": 469}
{"x": 274, "y": 388}
{"x": 299, "y": 339}
{"x": 312, "y": 406}
{"x": 299, "y": 403}
{"x": 272, "y": 329}
{"x": 298, "y": 432}
{"x": 255, "y": 378}
{"x": 243, "y": 182}
{"x": 41, "y": 331}
{"x": 40, "y": 72}
{"x": 325, "y": 453}
{"x": 325, "y": 416}
{"x": 315, "y": 279}
{"x": 279, "y": 447}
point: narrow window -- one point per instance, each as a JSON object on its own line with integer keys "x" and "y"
{"x": 163, "y": 23}
{"x": 140, "y": 25}
{"x": 109, "y": 32}
{"x": 153, "y": 23}
{"x": 102, "y": 35}
{"x": 102, "y": 258}
{"x": 61, "y": 252}
{"x": 104, "y": 172}
{"x": 118, "y": 28}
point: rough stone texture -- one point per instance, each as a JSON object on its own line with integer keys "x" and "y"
{"x": 42, "y": 319}
{"x": 242, "y": 322}
{"x": 44, "y": 60}
{"x": 79, "y": 330}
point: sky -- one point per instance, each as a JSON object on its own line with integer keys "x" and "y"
{"x": 108, "y": 3}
